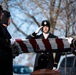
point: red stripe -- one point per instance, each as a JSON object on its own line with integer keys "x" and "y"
{"x": 22, "y": 45}
{"x": 34, "y": 44}
{"x": 60, "y": 44}
{"x": 47, "y": 44}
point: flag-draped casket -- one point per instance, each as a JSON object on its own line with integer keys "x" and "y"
{"x": 38, "y": 45}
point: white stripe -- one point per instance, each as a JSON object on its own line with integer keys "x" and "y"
{"x": 28, "y": 45}
{"x": 40, "y": 44}
{"x": 18, "y": 47}
{"x": 53, "y": 43}
{"x": 66, "y": 43}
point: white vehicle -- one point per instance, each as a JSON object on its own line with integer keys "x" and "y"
{"x": 67, "y": 64}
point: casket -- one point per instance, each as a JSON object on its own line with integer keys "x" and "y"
{"x": 45, "y": 72}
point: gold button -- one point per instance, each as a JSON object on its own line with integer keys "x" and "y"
{"x": 41, "y": 53}
{"x": 55, "y": 62}
{"x": 41, "y": 59}
{"x": 47, "y": 59}
{"x": 47, "y": 52}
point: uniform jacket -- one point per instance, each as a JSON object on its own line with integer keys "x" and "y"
{"x": 5, "y": 52}
{"x": 4, "y": 38}
{"x": 43, "y": 59}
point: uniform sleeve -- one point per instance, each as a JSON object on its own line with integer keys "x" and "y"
{"x": 32, "y": 36}
{"x": 3, "y": 41}
{"x": 54, "y": 36}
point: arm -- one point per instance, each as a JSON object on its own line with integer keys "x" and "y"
{"x": 3, "y": 41}
{"x": 34, "y": 35}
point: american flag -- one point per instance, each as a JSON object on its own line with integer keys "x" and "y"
{"x": 37, "y": 45}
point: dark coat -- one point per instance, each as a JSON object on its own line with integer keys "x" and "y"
{"x": 43, "y": 59}
{"x": 5, "y": 51}
{"x": 4, "y": 37}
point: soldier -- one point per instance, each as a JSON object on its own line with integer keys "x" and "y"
{"x": 73, "y": 45}
{"x": 43, "y": 59}
{"x": 5, "y": 50}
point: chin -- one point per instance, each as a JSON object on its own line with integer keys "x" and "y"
{"x": 46, "y": 32}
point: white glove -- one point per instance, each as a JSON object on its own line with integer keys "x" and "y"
{"x": 38, "y": 29}
{"x": 12, "y": 40}
{"x": 70, "y": 40}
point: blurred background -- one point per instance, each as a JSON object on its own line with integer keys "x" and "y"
{"x": 27, "y": 15}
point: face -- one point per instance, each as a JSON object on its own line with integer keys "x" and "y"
{"x": 1, "y": 14}
{"x": 8, "y": 23}
{"x": 9, "y": 20}
{"x": 45, "y": 29}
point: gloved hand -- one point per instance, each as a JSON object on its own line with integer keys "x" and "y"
{"x": 15, "y": 50}
{"x": 38, "y": 29}
{"x": 12, "y": 41}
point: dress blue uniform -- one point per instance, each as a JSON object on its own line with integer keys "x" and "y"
{"x": 43, "y": 60}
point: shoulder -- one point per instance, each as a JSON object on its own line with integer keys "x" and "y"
{"x": 32, "y": 36}
{"x": 53, "y": 36}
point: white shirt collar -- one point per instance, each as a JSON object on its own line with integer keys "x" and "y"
{"x": 45, "y": 35}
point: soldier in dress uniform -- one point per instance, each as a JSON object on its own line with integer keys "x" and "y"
{"x": 44, "y": 60}
{"x": 5, "y": 50}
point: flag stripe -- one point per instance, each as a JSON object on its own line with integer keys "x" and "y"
{"x": 53, "y": 43}
{"x": 47, "y": 44}
{"x": 40, "y": 44}
{"x": 22, "y": 45}
{"x": 34, "y": 44}
{"x": 60, "y": 44}
{"x": 28, "y": 45}
{"x": 66, "y": 43}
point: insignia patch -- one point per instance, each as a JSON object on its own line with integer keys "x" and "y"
{"x": 45, "y": 23}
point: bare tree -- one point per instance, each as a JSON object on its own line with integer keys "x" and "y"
{"x": 68, "y": 16}
{"x": 60, "y": 13}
